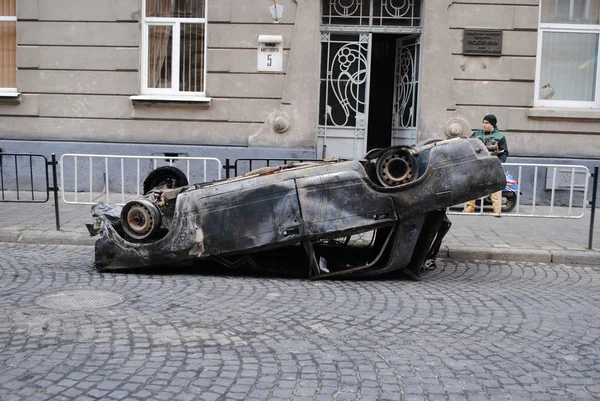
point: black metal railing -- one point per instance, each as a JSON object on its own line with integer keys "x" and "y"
{"x": 593, "y": 206}
{"x": 25, "y": 178}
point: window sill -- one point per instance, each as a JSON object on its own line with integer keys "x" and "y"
{"x": 10, "y": 97}
{"x": 155, "y": 99}
{"x": 564, "y": 113}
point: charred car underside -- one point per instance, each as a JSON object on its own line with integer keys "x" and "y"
{"x": 306, "y": 213}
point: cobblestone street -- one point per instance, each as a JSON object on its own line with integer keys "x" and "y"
{"x": 468, "y": 331}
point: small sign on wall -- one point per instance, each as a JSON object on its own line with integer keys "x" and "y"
{"x": 478, "y": 42}
{"x": 270, "y": 53}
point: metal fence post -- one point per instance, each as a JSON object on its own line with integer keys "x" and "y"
{"x": 593, "y": 215}
{"x": 55, "y": 190}
{"x": 226, "y": 167}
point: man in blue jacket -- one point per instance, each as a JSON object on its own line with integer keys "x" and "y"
{"x": 495, "y": 142}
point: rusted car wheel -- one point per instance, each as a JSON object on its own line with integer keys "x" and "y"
{"x": 165, "y": 176}
{"x": 396, "y": 167}
{"x": 140, "y": 219}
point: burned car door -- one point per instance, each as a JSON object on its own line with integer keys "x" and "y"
{"x": 339, "y": 203}
{"x": 250, "y": 214}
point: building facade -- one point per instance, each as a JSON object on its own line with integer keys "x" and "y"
{"x": 297, "y": 78}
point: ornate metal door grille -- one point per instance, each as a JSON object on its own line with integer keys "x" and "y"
{"x": 372, "y": 14}
{"x": 346, "y": 39}
{"x": 406, "y": 85}
{"x": 344, "y": 82}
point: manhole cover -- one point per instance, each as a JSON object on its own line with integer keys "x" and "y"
{"x": 79, "y": 299}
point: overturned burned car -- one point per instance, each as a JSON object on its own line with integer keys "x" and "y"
{"x": 303, "y": 213}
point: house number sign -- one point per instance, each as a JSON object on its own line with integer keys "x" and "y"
{"x": 477, "y": 42}
{"x": 270, "y": 53}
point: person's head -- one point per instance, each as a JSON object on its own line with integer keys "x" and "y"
{"x": 489, "y": 123}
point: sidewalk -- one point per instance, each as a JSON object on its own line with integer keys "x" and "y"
{"x": 549, "y": 240}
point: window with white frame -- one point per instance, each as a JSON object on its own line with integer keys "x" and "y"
{"x": 174, "y": 47}
{"x": 567, "y": 55}
{"x": 8, "y": 46}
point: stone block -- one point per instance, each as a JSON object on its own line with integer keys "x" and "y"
{"x": 481, "y": 16}
{"x": 244, "y": 11}
{"x": 147, "y": 131}
{"x": 28, "y": 57}
{"x": 127, "y": 10}
{"x": 494, "y": 93}
{"x": 80, "y": 10}
{"x": 27, "y": 10}
{"x": 522, "y": 68}
{"x": 27, "y": 107}
{"x": 570, "y": 122}
{"x": 245, "y": 36}
{"x": 85, "y": 106}
{"x": 475, "y": 67}
{"x": 545, "y": 143}
{"x": 519, "y": 43}
{"x": 89, "y": 58}
{"x": 119, "y": 34}
{"x": 219, "y": 11}
{"x": 218, "y": 60}
{"x": 245, "y": 85}
{"x": 252, "y": 110}
{"x": 219, "y": 110}
{"x": 78, "y": 82}
{"x": 527, "y": 17}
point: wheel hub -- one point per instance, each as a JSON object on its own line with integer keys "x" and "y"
{"x": 140, "y": 219}
{"x": 396, "y": 168}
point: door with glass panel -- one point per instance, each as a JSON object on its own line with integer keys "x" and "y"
{"x": 406, "y": 86}
{"x": 344, "y": 89}
{"x": 369, "y": 75}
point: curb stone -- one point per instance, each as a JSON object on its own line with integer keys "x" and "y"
{"x": 48, "y": 238}
{"x": 591, "y": 257}
{"x": 510, "y": 254}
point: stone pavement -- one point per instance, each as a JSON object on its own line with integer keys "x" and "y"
{"x": 481, "y": 237}
{"x": 470, "y": 331}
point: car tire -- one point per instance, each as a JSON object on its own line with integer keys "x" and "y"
{"x": 165, "y": 176}
{"x": 509, "y": 201}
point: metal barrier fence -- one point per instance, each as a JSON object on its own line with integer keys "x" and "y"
{"x": 563, "y": 194}
{"x": 543, "y": 190}
{"x": 110, "y": 178}
{"x": 24, "y": 178}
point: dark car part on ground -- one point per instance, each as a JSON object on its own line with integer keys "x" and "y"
{"x": 309, "y": 211}
{"x": 165, "y": 177}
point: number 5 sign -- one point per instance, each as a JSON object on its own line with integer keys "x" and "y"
{"x": 270, "y": 53}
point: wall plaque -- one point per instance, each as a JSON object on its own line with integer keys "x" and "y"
{"x": 477, "y": 42}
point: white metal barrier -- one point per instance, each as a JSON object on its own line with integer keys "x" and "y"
{"x": 89, "y": 179}
{"x": 564, "y": 194}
